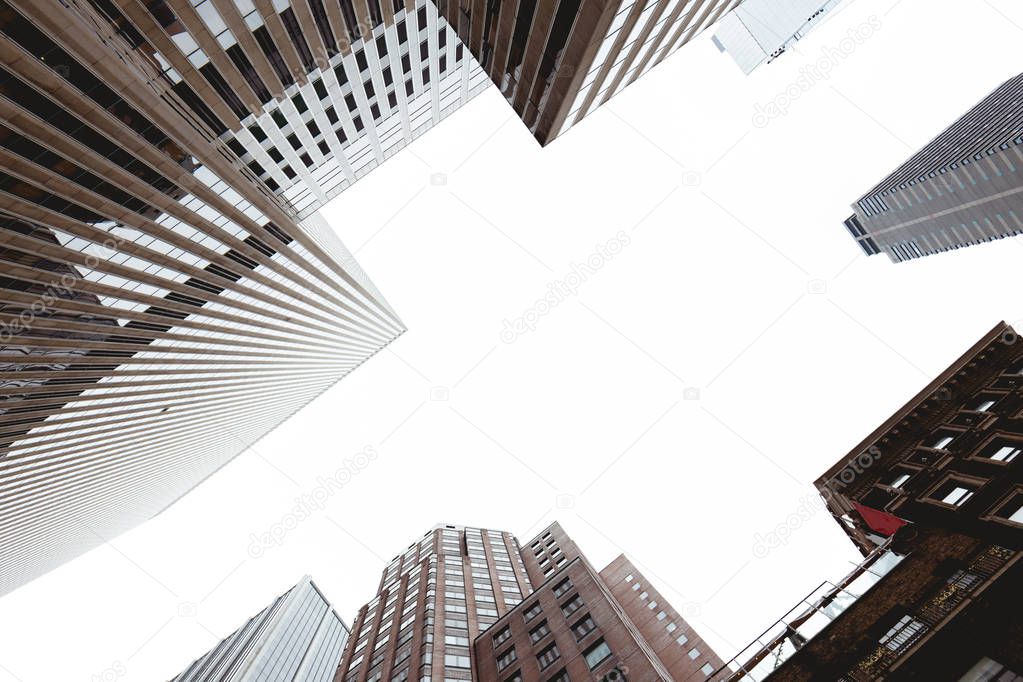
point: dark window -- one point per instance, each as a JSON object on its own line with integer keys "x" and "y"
{"x": 249, "y": 73}
{"x": 502, "y": 636}
{"x": 295, "y": 32}
{"x": 562, "y": 588}
{"x": 320, "y": 88}
{"x": 506, "y": 659}
{"x": 583, "y": 627}
{"x": 351, "y": 19}
{"x": 382, "y": 45}
{"x": 257, "y": 132}
{"x": 360, "y": 60}
{"x": 273, "y": 55}
{"x": 300, "y": 104}
{"x": 572, "y": 605}
{"x": 546, "y": 657}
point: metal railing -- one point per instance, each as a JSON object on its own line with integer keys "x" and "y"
{"x": 813, "y": 613}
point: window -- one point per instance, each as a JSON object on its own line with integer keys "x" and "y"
{"x": 671, "y": 627}
{"x": 533, "y": 611}
{"x": 694, "y": 653}
{"x": 597, "y": 654}
{"x": 707, "y": 669}
{"x": 902, "y": 633}
{"x": 942, "y": 443}
{"x": 953, "y": 492}
{"x": 515, "y": 677}
{"x": 1012, "y": 510}
{"x": 989, "y": 669}
{"x": 506, "y": 659}
{"x": 456, "y": 661}
{"x": 635, "y": 586}
{"x": 644, "y": 595}
{"x": 548, "y": 656}
{"x": 583, "y": 627}
{"x": 572, "y": 605}
{"x": 560, "y": 676}
{"x": 682, "y": 639}
{"x": 661, "y": 615}
{"x": 562, "y": 588}
{"x": 502, "y": 636}
{"x": 898, "y": 479}
{"x": 1001, "y": 451}
{"x": 628, "y": 578}
{"x": 984, "y": 405}
{"x": 539, "y": 632}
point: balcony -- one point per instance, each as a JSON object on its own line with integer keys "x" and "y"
{"x": 812, "y": 614}
{"x": 930, "y": 614}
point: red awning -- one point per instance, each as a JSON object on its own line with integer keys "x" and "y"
{"x": 882, "y": 522}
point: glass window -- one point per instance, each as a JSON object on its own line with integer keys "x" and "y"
{"x": 1002, "y": 451}
{"x": 539, "y": 632}
{"x": 953, "y": 492}
{"x": 583, "y": 627}
{"x": 533, "y": 611}
{"x": 597, "y": 654}
{"x": 694, "y": 653}
{"x": 546, "y": 657}
{"x": 506, "y": 659}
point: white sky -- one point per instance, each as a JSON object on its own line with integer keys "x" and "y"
{"x": 732, "y": 229}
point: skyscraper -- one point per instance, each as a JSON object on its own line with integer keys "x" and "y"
{"x": 760, "y": 31}
{"x": 162, "y": 308}
{"x": 310, "y": 95}
{"x": 933, "y": 498}
{"x": 298, "y": 637}
{"x": 556, "y": 62}
{"x": 962, "y": 189}
{"x": 473, "y": 604}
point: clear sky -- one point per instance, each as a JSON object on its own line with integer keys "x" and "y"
{"x": 716, "y": 342}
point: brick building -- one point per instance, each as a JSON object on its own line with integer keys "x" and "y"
{"x": 474, "y": 604}
{"x": 932, "y": 499}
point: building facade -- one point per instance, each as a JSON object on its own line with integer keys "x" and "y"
{"x": 759, "y": 31}
{"x": 299, "y": 638}
{"x": 556, "y": 62}
{"x": 310, "y": 95}
{"x": 934, "y": 500}
{"x": 949, "y": 458}
{"x": 963, "y": 188}
{"x": 474, "y": 604}
{"x": 161, "y": 308}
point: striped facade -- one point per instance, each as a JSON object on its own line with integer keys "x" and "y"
{"x": 309, "y": 94}
{"x": 556, "y": 62}
{"x": 964, "y": 188}
{"x": 297, "y": 638}
{"x": 161, "y": 309}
